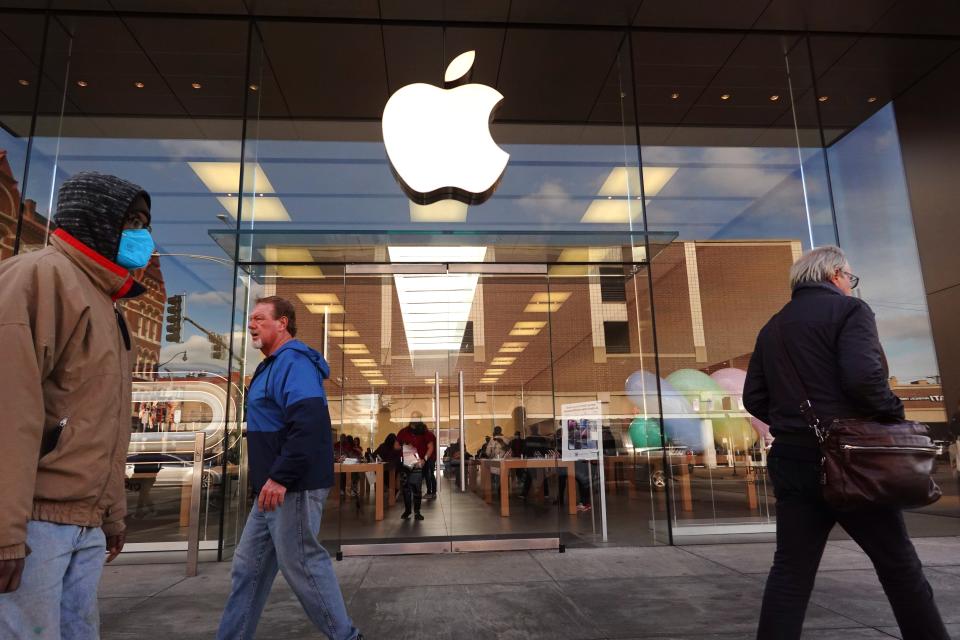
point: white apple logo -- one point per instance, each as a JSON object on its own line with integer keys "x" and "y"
{"x": 438, "y": 140}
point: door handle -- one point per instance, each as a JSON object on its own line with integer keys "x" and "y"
{"x": 463, "y": 458}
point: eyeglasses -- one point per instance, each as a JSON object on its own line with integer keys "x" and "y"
{"x": 137, "y": 222}
{"x": 854, "y": 280}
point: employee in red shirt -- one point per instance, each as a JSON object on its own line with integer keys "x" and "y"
{"x": 416, "y": 436}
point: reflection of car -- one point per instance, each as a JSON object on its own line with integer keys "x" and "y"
{"x": 654, "y": 455}
{"x": 166, "y": 471}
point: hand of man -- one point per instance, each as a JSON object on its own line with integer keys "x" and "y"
{"x": 115, "y": 545}
{"x": 10, "y": 573}
{"x": 271, "y": 496}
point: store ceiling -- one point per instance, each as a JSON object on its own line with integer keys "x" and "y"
{"x": 859, "y": 16}
{"x": 310, "y": 71}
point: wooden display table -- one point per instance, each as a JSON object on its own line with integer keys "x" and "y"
{"x": 363, "y": 467}
{"x": 506, "y": 465}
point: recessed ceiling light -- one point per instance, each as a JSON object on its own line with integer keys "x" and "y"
{"x": 674, "y": 96}
{"x": 254, "y": 87}
{"x": 23, "y": 83}
{"x": 823, "y": 98}
{"x": 82, "y": 83}
{"x": 196, "y": 85}
{"x": 139, "y": 85}
{"x": 774, "y": 98}
{"x": 725, "y": 96}
{"x": 870, "y": 99}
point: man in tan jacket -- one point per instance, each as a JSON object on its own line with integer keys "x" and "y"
{"x": 65, "y": 398}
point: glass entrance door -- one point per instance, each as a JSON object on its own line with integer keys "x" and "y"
{"x": 495, "y": 360}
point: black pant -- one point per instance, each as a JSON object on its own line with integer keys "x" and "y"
{"x": 411, "y": 480}
{"x": 803, "y": 522}
{"x": 430, "y": 474}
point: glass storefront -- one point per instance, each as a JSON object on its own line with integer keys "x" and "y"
{"x": 659, "y": 186}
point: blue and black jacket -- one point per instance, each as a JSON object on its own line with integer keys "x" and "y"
{"x": 288, "y": 422}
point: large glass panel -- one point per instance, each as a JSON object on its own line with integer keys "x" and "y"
{"x": 876, "y": 231}
{"x": 20, "y": 38}
{"x": 601, "y": 348}
{"x": 319, "y": 190}
{"x": 733, "y": 165}
{"x": 124, "y": 97}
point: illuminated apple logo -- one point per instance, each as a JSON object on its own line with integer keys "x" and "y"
{"x": 438, "y": 140}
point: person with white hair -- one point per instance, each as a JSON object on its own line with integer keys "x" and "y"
{"x": 831, "y": 338}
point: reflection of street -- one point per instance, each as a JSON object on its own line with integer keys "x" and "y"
{"x": 166, "y": 415}
{"x": 162, "y": 523}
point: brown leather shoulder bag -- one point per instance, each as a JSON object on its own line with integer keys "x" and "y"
{"x": 869, "y": 463}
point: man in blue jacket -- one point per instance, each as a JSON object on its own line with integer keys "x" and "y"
{"x": 291, "y": 469}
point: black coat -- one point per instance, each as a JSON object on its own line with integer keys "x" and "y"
{"x": 833, "y": 341}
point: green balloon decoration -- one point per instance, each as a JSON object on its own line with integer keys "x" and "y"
{"x": 645, "y": 433}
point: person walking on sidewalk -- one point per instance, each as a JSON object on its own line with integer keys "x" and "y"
{"x": 291, "y": 469}
{"x": 416, "y": 439}
{"x": 66, "y": 400}
{"x": 832, "y": 338}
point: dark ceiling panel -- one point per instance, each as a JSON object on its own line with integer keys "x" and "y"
{"x": 24, "y": 33}
{"x": 314, "y": 9}
{"x": 234, "y": 7}
{"x": 413, "y": 54}
{"x": 550, "y": 75}
{"x": 421, "y": 54}
{"x": 730, "y": 115}
{"x": 708, "y": 14}
{"x": 332, "y": 71}
{"x": 823, "y": 15}
{"x": 212, "y": 53}
{"x": 458, "y": 10}
{"x": 17, "y": 67}
{"x": 683, "y": 49}
{"x": 676, "y": 63}
{"x": 596, "y": 12}
{"x": 940, "y": 17}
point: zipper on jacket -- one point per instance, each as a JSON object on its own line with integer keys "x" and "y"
{"x": 891, "y": 448}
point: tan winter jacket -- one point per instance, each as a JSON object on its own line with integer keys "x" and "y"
{"x": 62, "y": 356}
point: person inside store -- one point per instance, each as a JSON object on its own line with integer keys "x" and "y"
{"x": 417, "y": 445}
{"x": 497, "y": 447}
{"x": 66, "y": 424}
{"x": 518, "y": 450}
{"x": 290, "y": 443}
{"x": 482, "y": 451}
{"x": 451, "y": 459}
{"x": 830, "y": 338}
{"x": 430, "y": 463}
{"x": 390, "y": 456}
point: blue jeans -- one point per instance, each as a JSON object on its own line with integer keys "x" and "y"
{"x": 57, "y": 597}
{"x": 285, "y": 539}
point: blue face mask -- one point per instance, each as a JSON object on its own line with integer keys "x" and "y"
{"x": 136, "y": 247}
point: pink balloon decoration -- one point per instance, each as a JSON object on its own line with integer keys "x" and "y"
{"x": 731, "y": 380}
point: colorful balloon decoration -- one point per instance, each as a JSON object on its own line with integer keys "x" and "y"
{"x": 732, "y": 380}
{"x": 681, "y": 426}
{"x": 709, "y": 394}
{"x": 645, "y": 433}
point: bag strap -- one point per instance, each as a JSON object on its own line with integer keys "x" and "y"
{"x": 799, "y": 389}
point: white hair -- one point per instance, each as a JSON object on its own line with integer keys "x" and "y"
{"x": 818, "y": 265}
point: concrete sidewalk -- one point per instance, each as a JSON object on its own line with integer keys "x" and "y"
{"x": 692, "y": 592}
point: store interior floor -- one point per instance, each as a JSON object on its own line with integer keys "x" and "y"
{"x": 636, "y": 514}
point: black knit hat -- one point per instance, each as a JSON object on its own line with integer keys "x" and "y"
{"x": 92, "y": 208}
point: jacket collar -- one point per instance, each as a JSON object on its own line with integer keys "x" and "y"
{"x": 111, "y": 278}
{"x": 817, "y": 288}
